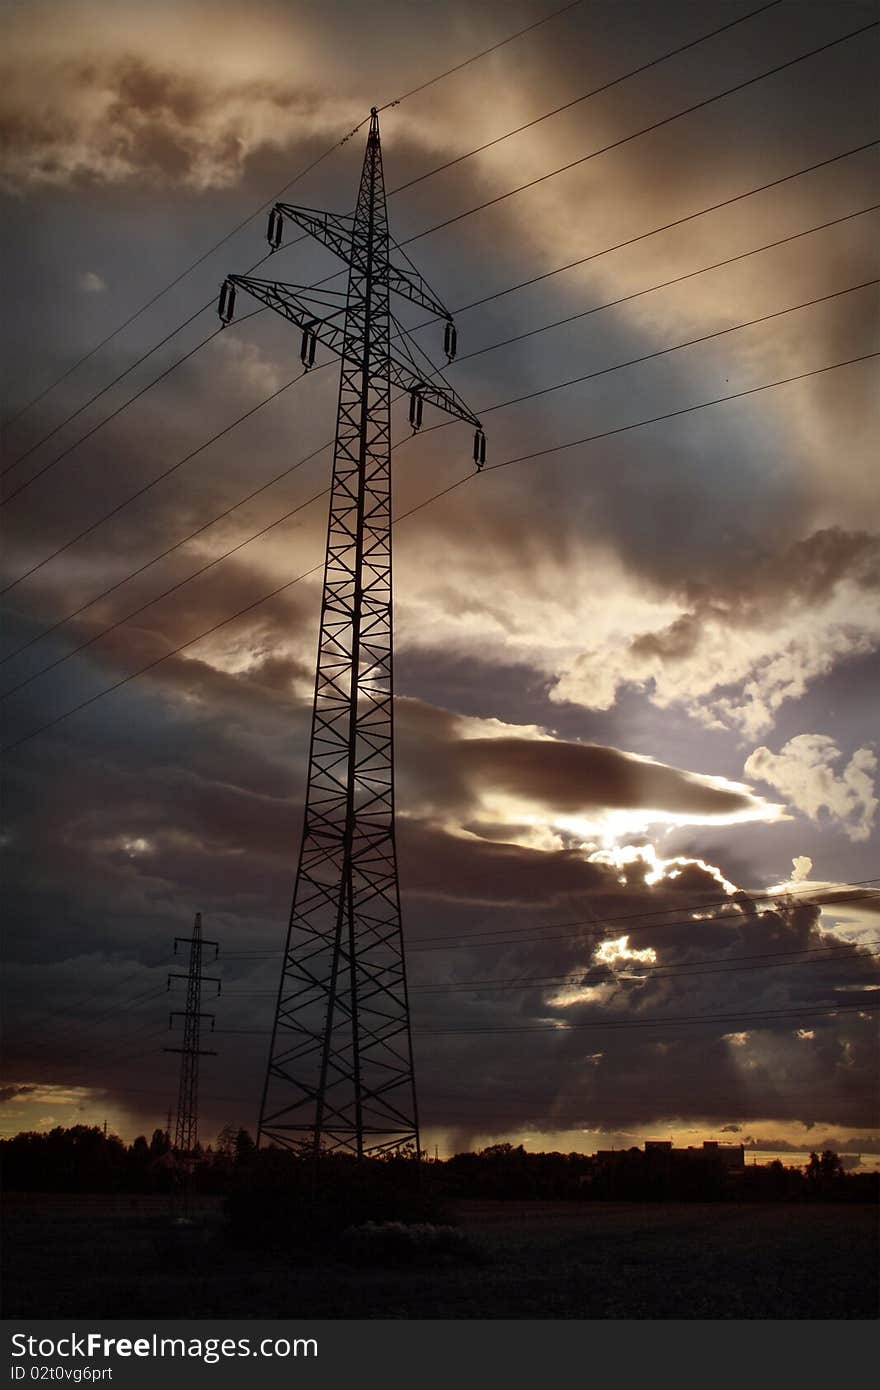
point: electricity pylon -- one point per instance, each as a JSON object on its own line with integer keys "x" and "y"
{"x": 186, "y": 1129}
{"x": 340, "y": 1069}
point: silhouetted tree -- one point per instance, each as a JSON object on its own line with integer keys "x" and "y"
{"x": 160, "y": 1143}
{"x": 825, "y": 1173}
{"x": 245, "y": 1148}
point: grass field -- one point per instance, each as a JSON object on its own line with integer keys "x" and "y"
{"x": 117, "y": 1257}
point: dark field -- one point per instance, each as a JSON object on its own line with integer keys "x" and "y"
{"x": 118, "y": 1257}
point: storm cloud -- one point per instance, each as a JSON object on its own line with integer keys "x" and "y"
{"x": 636, "y": 677}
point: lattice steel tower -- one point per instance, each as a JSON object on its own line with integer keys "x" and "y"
{"x": 340, "y": 1068}
{"x": 186, "y": 1128}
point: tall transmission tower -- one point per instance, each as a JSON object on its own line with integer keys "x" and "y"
{"x": 186, "y": 1129}
{"x": 340, "y": 1069}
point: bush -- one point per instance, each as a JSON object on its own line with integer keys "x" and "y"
{"x": 287, "y": 1203}
{"x": 395, "y": 1243}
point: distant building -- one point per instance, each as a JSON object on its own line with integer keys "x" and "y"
{"x": 659, "y": 1165}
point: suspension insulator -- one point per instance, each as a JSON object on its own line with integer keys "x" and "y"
{"x": 307, "y": 347}
{"x": 275, "y": 229}
{"x": 415, "y": 411}
{"x": 450, "y": 341}
{"x": 479, "y": 448}
{"x": 226, "y": 306}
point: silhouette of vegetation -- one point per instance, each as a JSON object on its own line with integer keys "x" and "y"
{"x": 508, "y": 1172}
{"x": 85, "y": 1159}
{"x": 284, "y": 1199}
{"x": 93, "y": 1228}
{"x": 272, "y": 1195}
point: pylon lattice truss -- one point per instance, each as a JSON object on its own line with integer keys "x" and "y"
{"x": 340, "y": 1069}
{"x": 186, "y": 1128}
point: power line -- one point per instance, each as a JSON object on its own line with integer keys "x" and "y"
{"x": 663, "y": 284}
{"x": 561, "y": 1027}
{"x": 585, "y": 96}
{"x": 171, "y": 548}
{"x": 157, "y": 598}
{"x": 494, "y": 986}
{"x": 528, "y": 934}
{"x": 482, "y": 54}
{"x": 492, "y": 347}
{"x": 777, "y": 897}
{"x": 132, "y": 574}
{"x": 763, "y": 1015}
{"x": 522, "y": 458}
{"x": 433, "y": 1095}
{"x": 564, "y": 168}
{"x": 158, "y": 295}
{"x": 658, "y": 972}
{"x": 97, "y": 396}
{"x": 743, "y": 255}
{"x": 679, "y": 222}
{"x": 629, "y": 241}
{"x": 675, "y": 970}
{"x": 102, "y": 1051}
{"x": 680, "y": 1072}
{"x": 655, "y": 125}
{"x": 818, "y": 955}
{"x": 130, "y": 1005}
{"x": 147, "y": 487}
{"x": 662, "y": 352}
{"x": 686, "y": 410}
{"x": 510, "y": 289}
{"x": 485, "y": 299}
{"x": 662, "y": 972}
{"x": 485, "y": 411}
{"x": 419, "y": 179}
{"x": 106, "y": 420}
{"x": 99, "y": 994}
{"x": 269, "y": 202}
{"x": 536, "y": 932}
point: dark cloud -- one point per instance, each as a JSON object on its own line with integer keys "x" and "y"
{"x": 447, "y": 767}
{"x": 154, "y": 123}
{"x": 8, "y": 1093}
{"x": 449, "y": 868}
{"x": 576, "y": 777}
{"x": 182, "y": 790}
{"x": 806, "y": 573}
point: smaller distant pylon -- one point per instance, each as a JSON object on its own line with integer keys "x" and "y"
{"x": 186, "y": 1129}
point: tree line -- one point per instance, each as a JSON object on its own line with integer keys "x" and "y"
{"x": 84, "y": 1158}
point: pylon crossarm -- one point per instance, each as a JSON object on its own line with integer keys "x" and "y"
{"x": 444, "y": 398}
{"x": 294, "y": 305}
{"x": 334, "y": 231}
{"x": 410, "y": 285}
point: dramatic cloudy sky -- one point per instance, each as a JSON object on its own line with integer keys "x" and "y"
{"x": 637, "y": 677}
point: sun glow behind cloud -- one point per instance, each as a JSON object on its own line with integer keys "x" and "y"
{"x": 602, "y": 580}
{"x": 624, "y": 857}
